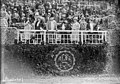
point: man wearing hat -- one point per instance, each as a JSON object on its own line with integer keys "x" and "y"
{"x": 36, "y": 14}
{"x": 75, "y": 28}
{"x": 15, "y": 17}
{"x": 39, "y": 23}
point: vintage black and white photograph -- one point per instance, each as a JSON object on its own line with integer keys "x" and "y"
{"x": 60, "y": 41}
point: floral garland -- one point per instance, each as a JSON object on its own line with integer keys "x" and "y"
{"x": 89, "y": 58}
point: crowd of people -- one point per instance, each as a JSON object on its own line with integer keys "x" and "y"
{"x": 54, "y": 16}
{"x": 40, "y": 15}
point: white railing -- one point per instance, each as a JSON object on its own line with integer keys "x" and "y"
{"x": 61, "y": 36}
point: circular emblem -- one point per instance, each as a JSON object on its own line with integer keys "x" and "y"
{"x": 64, "y": 61}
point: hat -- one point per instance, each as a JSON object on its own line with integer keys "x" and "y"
{"x": 3, "y": 5}
{"x": 69, "y": 16}
{"x": 51, "y": 18}
{"x": 49, "y": 13}
{"x": 63, "y": 15}
{"x": 75, "y": 18}
{"x": 39, "y": 17}
{"x": 37, "y": 14}
{"x": 66, "y": 21}
{"x": 23, "y": 14}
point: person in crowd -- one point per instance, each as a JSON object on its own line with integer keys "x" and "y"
{"x": 57, "y": 16}
{"x": 92, "y": 24}
{"x": 60, "y": 16}
{"x": 46, "y": 5}
{"x": 38, "y": 3}
{"x": 51, "y": 24}
{"x": 75, "y": 28}
{"x": 99, "y": 27}
{"x": 83, "y": 24}
{"x": 48, "y": 17}
{"x": 39, "y": 23}
{"x": 66, "y": 35}
{"x": 4, "y": 25}
{"x": 43, "y": 11}
{"x": 36, "y": 14}
{"x": 15, "y": 17}
{"x": 27, "y": 27}
{"x": 9, "y": 14}
{"x": 23, "y": 18}
{"x": 63, "y": 25}
{"x": 70, "y": 19}
{"x": 30, "y": 12}
{"x": 4, "y": 18}
{"x": 54, "y": 5}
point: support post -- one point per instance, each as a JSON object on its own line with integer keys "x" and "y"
{"x": 82, "y": 37}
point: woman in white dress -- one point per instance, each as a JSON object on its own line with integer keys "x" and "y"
{"x": 75, "y": 28}
{"x": 27, "y": 27}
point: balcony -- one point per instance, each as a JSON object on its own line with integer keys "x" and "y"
{"x": 61, "y": 36}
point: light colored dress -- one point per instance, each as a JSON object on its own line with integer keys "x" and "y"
{"x": 27, "y": 34}
{"x": 75, "y": 33}
{"x": 51, "y": 25}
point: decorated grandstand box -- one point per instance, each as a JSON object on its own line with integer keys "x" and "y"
{"x": 58, "y": 53}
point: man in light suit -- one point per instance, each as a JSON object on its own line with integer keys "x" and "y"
{"x": 51, "y": 24}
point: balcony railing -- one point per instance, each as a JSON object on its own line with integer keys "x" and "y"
{"x": 61, "y": 36}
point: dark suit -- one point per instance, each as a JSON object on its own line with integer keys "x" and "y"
{"x": 39, "y": 25}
